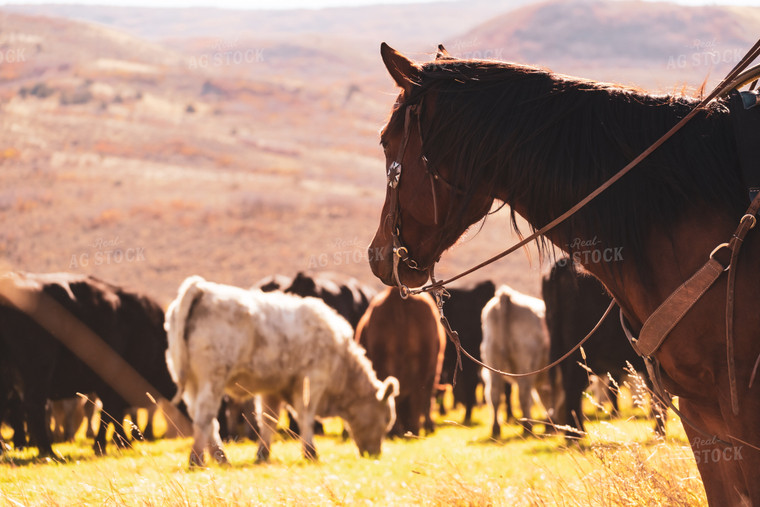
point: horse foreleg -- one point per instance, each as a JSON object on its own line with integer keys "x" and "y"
{"x": 720, "y": 465}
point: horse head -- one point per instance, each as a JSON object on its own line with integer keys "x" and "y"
{"x": 423, "y": 214}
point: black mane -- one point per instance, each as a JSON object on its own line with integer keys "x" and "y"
{"x": 550, "y": 140}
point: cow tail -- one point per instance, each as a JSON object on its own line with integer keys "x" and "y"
{"x": 176, "y": 318}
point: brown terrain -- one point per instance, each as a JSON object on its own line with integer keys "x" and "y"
{"x": 146, "y": 145}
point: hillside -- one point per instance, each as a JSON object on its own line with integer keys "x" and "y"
{"x": 233, "y": 171}
{"x": 654, "y": 45}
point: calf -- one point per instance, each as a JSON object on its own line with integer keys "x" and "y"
{"x": 574, "y": 304}
{"x": 515, "y": 340}
{"x": 243, "y": 342}
{"x": 404, "y": 338}
{"x": 42, "y": 368}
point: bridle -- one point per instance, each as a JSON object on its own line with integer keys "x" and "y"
{"x": 393, "y": 175}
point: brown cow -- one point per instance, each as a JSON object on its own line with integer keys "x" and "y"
{"x": 404, "y": 339}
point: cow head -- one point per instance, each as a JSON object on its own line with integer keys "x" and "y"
{"x": 371, "y": 419}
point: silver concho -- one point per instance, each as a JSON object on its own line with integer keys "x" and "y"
{"x": 394, "y": 174}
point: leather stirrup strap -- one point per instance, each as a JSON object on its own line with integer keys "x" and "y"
{"x": 672, "y": 310}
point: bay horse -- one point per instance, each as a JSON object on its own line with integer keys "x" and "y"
{"x": 468, "y": 133}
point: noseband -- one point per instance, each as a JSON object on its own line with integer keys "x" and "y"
{"x": 393, "y": 173}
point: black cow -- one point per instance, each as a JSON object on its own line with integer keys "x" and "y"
{"x": 349, "y": 297}
{"x": 463, "y": 311}
{"x": 43, "y": 368}
{"x": 574, "y": 304}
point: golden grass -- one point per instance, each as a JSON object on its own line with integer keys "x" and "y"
{"x": 618, "y": 463}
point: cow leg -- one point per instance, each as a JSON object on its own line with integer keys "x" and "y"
{"x": 494, "y": 388}
{"x": 55, "y": 412}
{"x": 16, "y": 421}
{"x": 575, "y": 381}
{"x": 37, "y": 423}
{"x": 403, "y": 417}
{"x": 267, "y": 414}
{"x": 119, "y": 408}
{"x": 89, "y": 414}
{"x": 439, "y": 397}
{"x": 74, "y": 416}
{"x": 427, "y": 405}
{"x": 249, "y": 418}
{"x": 525, "y": 393}
{"x": 113, "y": 408}
{"x": 508, "y": 401}
{"x": 205, "y": 426}
{"x": 306, "y": 414}
{"x": 135, "y": 432}
{"x": 149, "y": 434}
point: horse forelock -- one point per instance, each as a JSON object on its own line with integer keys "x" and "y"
{"x": 547, "y": 140}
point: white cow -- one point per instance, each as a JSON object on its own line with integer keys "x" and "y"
{"x": 224, "y": 339}
{"x": 515, "y": 340}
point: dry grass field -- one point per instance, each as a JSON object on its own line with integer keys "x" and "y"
{"x": 619, "y": 462}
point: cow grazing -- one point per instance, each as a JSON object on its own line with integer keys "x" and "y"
{"x": 131, "y": 324}
{"x": 515, "y": 341}
{"x": 243, "y": 342}
{"x": 574, "y": 304}
{"x": 405, "y": 339}
{"x": 463, "y": 310}
{"x": 345, "y": 294}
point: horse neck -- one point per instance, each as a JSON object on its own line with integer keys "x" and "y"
{"x": 653, "y": 232}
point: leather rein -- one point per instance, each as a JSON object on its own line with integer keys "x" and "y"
{"x": 662, "y": 321}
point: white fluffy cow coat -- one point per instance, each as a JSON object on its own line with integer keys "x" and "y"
{"x": 224, "y": 339}
{"x": 515, "y": 340}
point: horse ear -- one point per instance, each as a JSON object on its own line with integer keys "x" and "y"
{"x": 405, "y": 72}
{"x": 442, "y": 54}
{"x": 390, "y": 388}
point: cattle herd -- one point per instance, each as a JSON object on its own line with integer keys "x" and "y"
{"x": 324, "y": 345}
